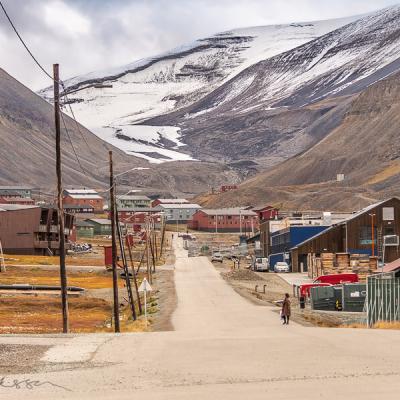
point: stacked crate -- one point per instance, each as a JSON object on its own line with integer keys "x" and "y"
{"x": 343, "y": 263}
{"x": 363, "y": 269}
{"x": 327, "y": 263}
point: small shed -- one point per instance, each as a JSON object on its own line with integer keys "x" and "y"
{"x": 101, "y": 226}
{"x": 84, "y": 229}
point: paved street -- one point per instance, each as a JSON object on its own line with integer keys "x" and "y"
{"x": 222, "y": 346}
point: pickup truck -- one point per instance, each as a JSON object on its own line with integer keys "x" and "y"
{"x": 328, "y": 280}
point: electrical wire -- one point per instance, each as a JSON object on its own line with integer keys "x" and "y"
{"x": 23, "y": 42}
{"x": 42, "y": 68}
{"x": 72, "y": 145}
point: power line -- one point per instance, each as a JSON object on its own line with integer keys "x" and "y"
{"x": 42, "y": 68}
{"x": 72, "y": 145}
{"x": 23, "y": 43}
{"x": 72, "y": 113}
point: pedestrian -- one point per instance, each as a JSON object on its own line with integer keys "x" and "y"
{"x": 286, "y": 309}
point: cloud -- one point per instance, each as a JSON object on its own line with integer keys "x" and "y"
{"x": 88, "y": 35}
{"x": 65, "y": 20}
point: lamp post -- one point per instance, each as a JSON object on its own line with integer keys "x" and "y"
{"x": 372, "y": 235}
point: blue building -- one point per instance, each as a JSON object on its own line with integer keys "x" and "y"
{"x": 281, "y": 242}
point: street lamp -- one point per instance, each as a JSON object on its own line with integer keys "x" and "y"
{"x": 372, "y": 215}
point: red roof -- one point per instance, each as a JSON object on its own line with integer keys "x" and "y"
{"x": 391, "y": 267}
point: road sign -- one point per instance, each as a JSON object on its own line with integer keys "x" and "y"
{"x": 145, "y": 286}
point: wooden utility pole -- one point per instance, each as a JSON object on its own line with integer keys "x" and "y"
{"x": 148, "y": 251}
{"x": 134, "y": 277}
{"x": 60, "y": 211}
{"x": 114, "y": 246}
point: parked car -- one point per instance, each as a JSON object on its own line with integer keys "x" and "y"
{"x": 281, "y": 266}
{"x": 260, "y": 264}
{"x": 337, "y": 279}
{"x": 217, "y": 257}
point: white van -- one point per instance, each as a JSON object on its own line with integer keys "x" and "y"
{"x": 260, "y": 264}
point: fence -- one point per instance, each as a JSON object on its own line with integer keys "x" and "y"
{"x": 383, "y": 299}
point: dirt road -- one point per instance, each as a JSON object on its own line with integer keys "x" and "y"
{"x": 222, "y": 346}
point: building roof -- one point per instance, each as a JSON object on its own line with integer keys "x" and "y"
{"x": 83, "y": 223}
{"x": 84, "y": 196}
{"x": 100, "y": 221}
{"x": 16, "y": 188}
{"x": 80, "y": 191}
{"x": 133, "y": 197}
{"x": 172, "y": 201}
{"x": 391, "y": 267}
{"x": 230, "y": 211}
{"x": 16, "y": 207}
{"x": 178, "y": 206}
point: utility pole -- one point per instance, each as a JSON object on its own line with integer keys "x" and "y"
{"x": 114, "y": 246}
{"x": 60, "y": 211}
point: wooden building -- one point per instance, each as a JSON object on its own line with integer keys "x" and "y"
{"x": 364, "y": 232}
{"x": 32, "y": 229}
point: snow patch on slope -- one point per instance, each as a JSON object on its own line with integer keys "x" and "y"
{"x": 122, "y": 97}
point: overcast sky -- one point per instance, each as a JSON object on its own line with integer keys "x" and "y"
{"x": 89, "y": 35}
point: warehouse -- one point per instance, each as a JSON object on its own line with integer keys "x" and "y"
{"x": 373, "y": 231}
{"x": 283, "y": 240}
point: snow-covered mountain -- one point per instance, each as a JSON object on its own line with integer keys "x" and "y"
{"x": 114, "y": 103}
{"x": 280, "y": 106}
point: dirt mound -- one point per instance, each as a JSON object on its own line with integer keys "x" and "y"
{"x": 241, "y": 275}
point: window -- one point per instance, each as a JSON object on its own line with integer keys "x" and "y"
{"x": 366, "y": 235}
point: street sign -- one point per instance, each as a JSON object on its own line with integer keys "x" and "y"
{"x": 145, "y": 286}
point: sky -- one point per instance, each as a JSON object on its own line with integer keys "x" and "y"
{"x": 89, "y": 35}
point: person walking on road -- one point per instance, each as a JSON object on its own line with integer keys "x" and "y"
{"x": 286, "y": 310}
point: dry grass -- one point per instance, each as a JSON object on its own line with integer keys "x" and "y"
{"x": 42, "y": 314}
{"x": 38, "y": 276}
{"x": 387, "y": 325}
{"x": 388, "y": 172}
{"x": 378, "y": 325}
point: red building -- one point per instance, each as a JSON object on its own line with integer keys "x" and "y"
{"x": 267, "y": 213}
{"x": 228, "y": 188}
{"x": 136, "y": 219}
{"x": 225, "y": 220}
{"x": 17, "y": 200}
{"x": 83, "y": 197}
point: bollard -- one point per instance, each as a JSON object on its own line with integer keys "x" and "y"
{"x": 264, "y": 288}
{"x": 294, "y": 290}
{"x": 256, "y": 288}
{"x": 302, "y": 302}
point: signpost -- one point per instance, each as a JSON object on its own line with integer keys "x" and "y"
{"x": 145, "y": 287}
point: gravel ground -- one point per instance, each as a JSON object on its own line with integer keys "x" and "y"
{"x": 19, "y": 359}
